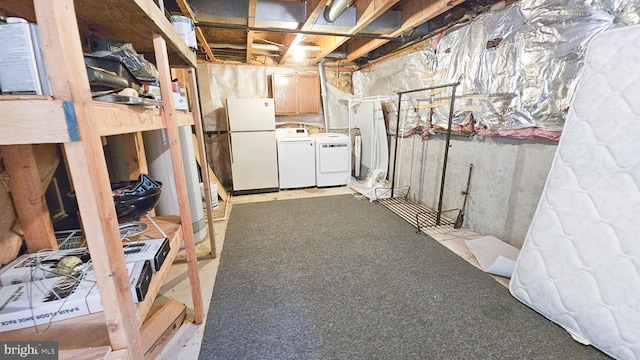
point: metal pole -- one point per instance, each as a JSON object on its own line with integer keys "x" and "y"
{"x": 446, "y": 153}
{"x": 323, "y": 96}
{"x": 429, "y": 88}
{"x": 395, "y": 146}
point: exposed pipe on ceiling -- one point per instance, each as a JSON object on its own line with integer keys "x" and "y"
{"x": 227, "y": 46}
{"x": 265, "y": 47}
{"x": 295, "y": 31}
{"x": 333, "y": 11}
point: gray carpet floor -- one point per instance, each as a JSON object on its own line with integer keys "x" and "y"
{"x": 340, "y": 278}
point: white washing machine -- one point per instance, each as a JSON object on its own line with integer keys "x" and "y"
{"x": 296, "y": 158}
{"x": 333, "y": 159}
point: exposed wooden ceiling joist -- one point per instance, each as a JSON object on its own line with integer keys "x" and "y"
{"x": 251, "y": 21}
{"x": 277, "y": 25}
{"x": 414, "y": 13}
{"x": 314, "y": 9}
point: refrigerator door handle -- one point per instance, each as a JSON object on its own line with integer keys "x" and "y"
{"x": 230, "y": 148}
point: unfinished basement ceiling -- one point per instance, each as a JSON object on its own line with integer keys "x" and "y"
{"x": 297, "y": 32}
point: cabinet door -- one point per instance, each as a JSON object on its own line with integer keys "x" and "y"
{"x": 284, "y": 94}
{"x": 308, "y": 94}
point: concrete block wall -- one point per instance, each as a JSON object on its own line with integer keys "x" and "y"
{"x": 506, "y": 183}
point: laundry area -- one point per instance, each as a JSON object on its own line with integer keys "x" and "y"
{"x": 332, "y": 179}
{"x": 300, "y": 159}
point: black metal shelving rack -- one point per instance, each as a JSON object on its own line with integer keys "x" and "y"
{"x": 415, "y": 213}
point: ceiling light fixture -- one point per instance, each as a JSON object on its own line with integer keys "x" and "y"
{"x": 297, "y": 40}
{"x": 299, "y": 54}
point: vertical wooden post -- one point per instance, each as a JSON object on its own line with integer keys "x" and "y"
{"x": 169, "y": 120}
{"x": 202, "y": 153}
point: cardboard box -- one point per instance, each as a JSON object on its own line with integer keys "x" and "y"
{"x": 158, "y": 329}
{"x": 60, "y": 298}
{"x": 42, "y": 265}
{"x": 154, "y": 250}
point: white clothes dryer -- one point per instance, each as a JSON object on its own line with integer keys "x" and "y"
{"x": 296, "y": 158}
{"x": 333, "y": 159}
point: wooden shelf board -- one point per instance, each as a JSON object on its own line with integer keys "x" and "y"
{"x": 32, "y": 120}
{"x": 38, "y": 119}
{"x": 184, "y": 118}
{"x": 134, "y": 22}
{"x": 122, "y": 119}
{"x": 77, "y": 333}
{"x": 114, "y": 119}
{"x": 86, "y": 354}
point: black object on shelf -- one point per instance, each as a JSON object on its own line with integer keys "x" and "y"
{"x": 133, "y": 199}
{"x": 107, "y": 73}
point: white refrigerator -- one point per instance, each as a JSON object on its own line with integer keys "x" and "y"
{"x": 254, "y": 156}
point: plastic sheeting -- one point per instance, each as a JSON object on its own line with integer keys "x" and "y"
{"x": 216, "y": 83}
{"x": 338, "y": 107}
{"x": 518, "y": 67}
{"x": 219, "y": 82}
{"x": 367, "y": 116}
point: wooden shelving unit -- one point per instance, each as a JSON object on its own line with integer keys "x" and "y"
{"x": 71, "y": 118}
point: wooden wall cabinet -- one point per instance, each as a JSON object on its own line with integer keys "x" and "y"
{"x": 71, "y": 118}
{"x": 296, "y": 93}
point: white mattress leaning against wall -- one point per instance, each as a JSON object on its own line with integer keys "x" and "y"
{"x": 580, "y": 263}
